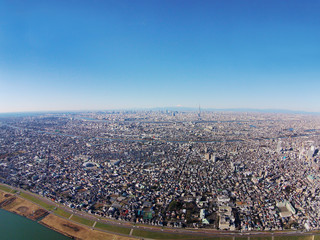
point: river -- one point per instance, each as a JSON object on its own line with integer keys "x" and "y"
{"x": 13, "y": 226}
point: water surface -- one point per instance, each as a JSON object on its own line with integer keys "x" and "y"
{"x": 16, "y": 227}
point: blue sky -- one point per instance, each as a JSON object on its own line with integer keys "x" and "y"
{"x": 96, "y": 55}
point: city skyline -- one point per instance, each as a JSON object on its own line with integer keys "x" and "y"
{"x": 241, "y": 172}
{"x": 76, "y": 55}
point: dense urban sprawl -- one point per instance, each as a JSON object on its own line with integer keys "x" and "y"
{"x": 222, "y": 170}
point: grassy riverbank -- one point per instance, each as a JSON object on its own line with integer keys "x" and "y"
{"x": 29, "y": 206}
{"x": 71, "y": 224}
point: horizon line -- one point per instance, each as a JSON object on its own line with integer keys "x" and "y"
{"x": 171, "y": 108}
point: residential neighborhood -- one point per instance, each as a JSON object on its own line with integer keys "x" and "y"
{"x": 220, "y": 170}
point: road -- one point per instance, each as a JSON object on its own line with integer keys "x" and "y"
{"x": 192, "y": 232}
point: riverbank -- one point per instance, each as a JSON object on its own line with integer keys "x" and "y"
{"x": 11, "y": 202}
{"x": 14, "y": 226}
{"x": 118, "y": 230}
{"x": 79, "y": 225}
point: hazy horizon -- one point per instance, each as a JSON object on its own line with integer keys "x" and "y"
{"x": 79, "y": 55}
{"x": 169, "y": 108}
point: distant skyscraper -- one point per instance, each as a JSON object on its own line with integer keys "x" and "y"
{"x": 310, "y": 153}
{"x": 199, "y": 113}
{"x": 279, "y": 146}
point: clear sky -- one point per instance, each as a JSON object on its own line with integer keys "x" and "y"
{"x": 97, "y": 55}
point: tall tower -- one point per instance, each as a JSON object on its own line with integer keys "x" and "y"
{"x": 199, "y": 113}
{"x": 279, "y": 146}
